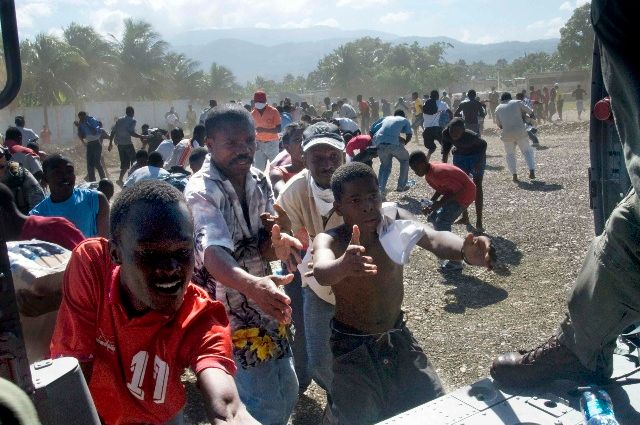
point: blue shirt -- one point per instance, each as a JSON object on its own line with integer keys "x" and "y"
{"x": 81, "y": 209}
{"x": 391, "y": 129}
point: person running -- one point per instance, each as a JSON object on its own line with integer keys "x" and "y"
{"x": 514, "y": 132}
{"x": 578, "y": 95}
{"x": 379, "y": 369}
{"x": 472, "y": 110}
{"x": 494, "y": 100}
{"x": 134, "y": 320}
{"x": 470, "y": 155}
{"x": 417, "y": 112}
{"x": 365, "y": 116}
{"x": 123, "y": 130}
{"x": 90, "y": 134}
{"x": 391, "y": 145}
{"x": 28, "y": 135}
{"x": 433, "y": 119}
{"x": 559, "y": 101}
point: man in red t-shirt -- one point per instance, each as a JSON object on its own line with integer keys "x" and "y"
{"x": 454, "y": 192}
{"x": 134, "y": 320}
{"x": 365, "y": 116}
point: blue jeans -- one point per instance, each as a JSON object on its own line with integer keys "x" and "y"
{"x": 299, "y": 346}
{"x": 317, "y": 324}
{"x": 445, "y": 216}
{"x": 269, "y": 391}
{"x": 386, "y": 153}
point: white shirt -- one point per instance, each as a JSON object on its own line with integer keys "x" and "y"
{"x": 27, "y": 135}
{"x": 166, "y": 149}
{"x": 347, "y": 111}
{"x": 146, "y": 173}
{"x": 509, "y": 117}
{"x": 433, "y": 120}
{"x": 180, "y": 154}
{"x": 348, "y": 125}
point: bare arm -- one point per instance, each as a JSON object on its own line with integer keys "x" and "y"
{"x": 221, "y": 398}
{"x": 277, "y": 181}
{"x": 329, "y": 270}
{"x": 263, "y": 290}
{"x": 102, "y": 219}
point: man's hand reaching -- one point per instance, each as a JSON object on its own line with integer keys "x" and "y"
{"x": 286, "y": 247}
{"x": 271, "y": 299}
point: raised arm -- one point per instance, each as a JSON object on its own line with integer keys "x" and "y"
{"x": 221, "y": 398}
{"x": 329, "y": 270}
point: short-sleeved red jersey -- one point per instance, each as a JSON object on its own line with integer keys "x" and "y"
{"x": 448, "y": 179}
{"x": 137, "y": 362}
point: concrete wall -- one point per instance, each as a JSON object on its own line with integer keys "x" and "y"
{"x": 61, "y": 118}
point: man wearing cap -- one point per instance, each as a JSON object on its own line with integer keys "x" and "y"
{"x": 306, "y": 202}
{"x": 268, "y": 125}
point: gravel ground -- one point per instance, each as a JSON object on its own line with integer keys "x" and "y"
{"x": 541, "y": 230}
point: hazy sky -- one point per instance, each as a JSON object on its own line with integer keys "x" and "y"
{"x": 477, "y": 21}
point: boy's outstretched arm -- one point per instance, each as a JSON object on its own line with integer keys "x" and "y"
{"x": 475, "y": 250}
{"x": 329, "y": 270}
{"x": 221, "y": 398}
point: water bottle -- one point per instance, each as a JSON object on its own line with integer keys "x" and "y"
{"x": 597, "y": 408}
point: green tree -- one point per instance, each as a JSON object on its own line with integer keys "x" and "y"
{"x": 576, "y": 39}
{"x": 183, "y": 79}
{"x": 221, "y": 83}
{"x": 139, "y": 61}
{"x": 52, "y": 71}
{"x": 99, "y": 56}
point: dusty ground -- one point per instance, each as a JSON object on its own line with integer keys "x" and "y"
{"x": 541, "y": 230}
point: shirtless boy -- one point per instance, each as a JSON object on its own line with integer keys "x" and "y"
{"x": 379, "y": 369}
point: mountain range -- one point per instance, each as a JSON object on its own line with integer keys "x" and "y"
{"x": 273, "y": 53}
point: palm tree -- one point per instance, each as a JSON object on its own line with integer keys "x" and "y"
{"x": 183, "y": 78}
{"x": 221, "y": 82}
{"x": 98, "y": 54}
{"x": 139, "y": 61}
{"x": 52, "y": 71}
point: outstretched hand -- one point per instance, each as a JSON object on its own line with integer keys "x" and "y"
{"x": 478, "y": 251}
{"x": 271, "y": 299}
{"x": 353, "y": 261}
{"x": 286, "y": 247}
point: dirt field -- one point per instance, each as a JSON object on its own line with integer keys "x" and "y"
{"x": 541, "y": 230}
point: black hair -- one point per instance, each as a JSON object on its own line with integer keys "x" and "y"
{"x": 471, "y": 94}
{"x": 155, "y": 159}
{"x": 225, "y": 115}
{"x": 213, "y": 103}
{"x": 13, "y": 133}
{"x": 141, "y": 153}
{"x": 156, "y": 193}
{"x": 82, "y": 114}
{"x": 129, "y": 110}
{"x": 145, "y": 126}
{"x": 290, "y": 129}
{"x": 34, "y": 146}
{"x": 198, "y": 133}
{"x": 434, "y": 95}
{"x": 177, "y": 134}
{"x": 350, "y": 172}
{"x": 417, "y": 157}
{"x": 347, "y": 136}
{"x": 198, "y": 154}
{"x": 455, "y": 122}
{"x": 520, "y": 96}
{"x": 399, "y": 113}
{"x": 54, "y": 161}
{"x": 7, "y": 200}
{"x": 505, "y": 96}
{"x": 106, "y": 187}
{"x": 19, "y": 120}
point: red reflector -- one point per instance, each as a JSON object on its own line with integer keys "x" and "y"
{"x": 602, "y": 110}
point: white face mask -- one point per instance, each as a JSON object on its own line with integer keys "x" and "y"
{"x": 260, "y": 105}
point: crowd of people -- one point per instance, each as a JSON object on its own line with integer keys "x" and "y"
{"x": 190, "y": 242}
{"x": 275, "y": 261}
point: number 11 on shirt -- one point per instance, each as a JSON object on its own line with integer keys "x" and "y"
{"x": 160, "y": 375}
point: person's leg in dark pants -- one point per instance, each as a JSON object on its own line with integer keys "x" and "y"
{"x": 94, "y": 151}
